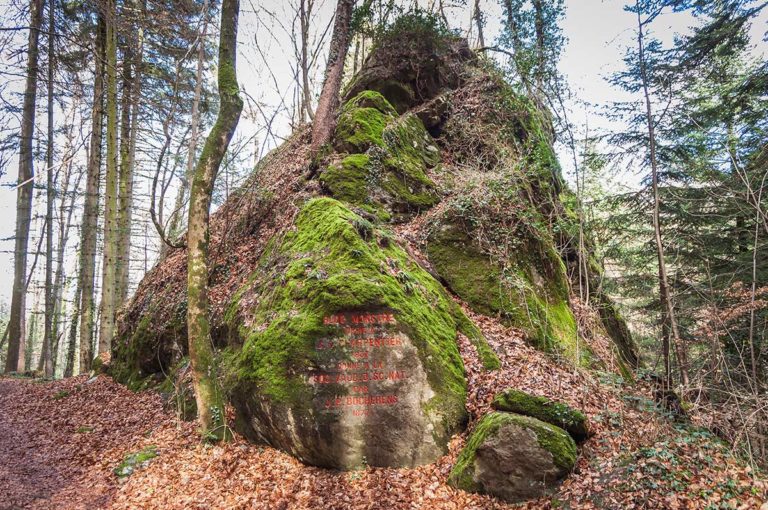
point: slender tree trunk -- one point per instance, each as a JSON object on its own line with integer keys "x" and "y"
{"x": 305, "y": 11}
{"x": 31, "y": 339}
{"x": 131, "y": 96}
{"x": 109, "y": 282}
{"x": 328, "y": 104}
{"x": 87, "y": 262}
{"x": 664, "y": 292}
{"x": 69, "y": 368}
{"x": 538, "y": 10}
{"x": 46, "y": 356}
{"x": 15, "y": 358}
{"x": 477, "y": 15}
{"x": 177, "y": 214}
{"x": 125, "y": 181}
{"x": 210, "y": 406}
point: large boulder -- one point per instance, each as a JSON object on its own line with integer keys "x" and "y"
{"x": 349, "y": 354}
{"x": 556, "y": 413}
{"x": 514, "y": 458}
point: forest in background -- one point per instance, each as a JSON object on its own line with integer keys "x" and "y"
{"x": 106, "y": 106}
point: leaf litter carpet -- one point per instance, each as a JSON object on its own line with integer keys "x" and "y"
{"x": 60, "y": 442}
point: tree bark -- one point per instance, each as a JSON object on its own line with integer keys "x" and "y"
{"x": 328, "y": 104}
{"x": 46, "y": 358}
{"x": 69, "y": 368}
{"x": 125, "y": 182}
{"x": 478, "y": 17}
{"x": 109, "y": 281}
{"x": 15, "y": 358}
{"x": 664, "y": 292}
{"x": 177, "y": 214}
{"x": 305, "y": 11}
{"x": 131, "y": 95}
{"x": 210, "y": 406}
{"x": 66, "y": 209}
{"x": 87, "y": 262}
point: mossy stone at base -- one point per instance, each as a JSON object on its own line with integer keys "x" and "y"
{"x": 556, "y": 413}
{"x": 348, "y": 180}
{"x": 136, "y": 460}
{"x": 513, "y": 457}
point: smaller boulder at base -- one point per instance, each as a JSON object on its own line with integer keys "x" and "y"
{"x": 514, "y": 458}
{"x": 556, "y": 413}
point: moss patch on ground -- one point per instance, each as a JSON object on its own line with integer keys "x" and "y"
{"x": 556, "y": 413}
{"x": 133, "y": 461}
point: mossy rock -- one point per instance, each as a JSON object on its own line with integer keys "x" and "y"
{"x": 309, "y": 381}
{"x": 148, "y": 344}
{"x": 514, "y": 458}
{"x": 134, "y": 461}
{"x": 532, "y": 295}
{"x": 360, "y": 128}
{"x": 386, "y": 159}
{"x": 178, "y": 392}
{"x": 556, "y": 413}
{"x": 348, "y": 180}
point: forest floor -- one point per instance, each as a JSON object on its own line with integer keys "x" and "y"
{"x": 61, "y": 442}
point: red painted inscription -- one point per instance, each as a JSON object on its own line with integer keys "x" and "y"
{"x": 363, "y": 347}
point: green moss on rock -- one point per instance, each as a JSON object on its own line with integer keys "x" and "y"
{"x": 523, "y": 296}
{"x": 362, "y": 121}
{"x": 348, "y": 181}
{"x": 334, "y": 261}
{"x": 136, "y": 460}
{"x": 556, "y": 413}
{"x": 386, "y": 170}
{"x": 471, "y": 475}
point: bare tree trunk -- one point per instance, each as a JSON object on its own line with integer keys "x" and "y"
{"x": 538, "y": 9}
{"x": 125, "y": 181}
{"x": 15, "y": 358}
{"x": 66, "y": 209}
{"x": 109, "y": 268}
{"x": 31, "y": 338}
{"x": 46, "y": 357}
{"x": 177, "y": 213}
{"x": 305, "y": 11}
{"x": 131, "y": 96}
{"x": 328, "y": 104}
{"x": 69, "y": 368}
{"x": 210, "y": 406}
{"x": 664, "y": 292}
{"x": 87, "y": 260}
{"x": 478, "y": 17}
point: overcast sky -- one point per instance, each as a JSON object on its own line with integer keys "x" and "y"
{"x": 597, "y": 32}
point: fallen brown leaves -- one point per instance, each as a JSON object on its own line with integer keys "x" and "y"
{"x": 60, "y": 441}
